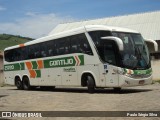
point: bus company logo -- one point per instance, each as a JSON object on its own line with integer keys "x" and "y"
{"x": 64, "y": 62}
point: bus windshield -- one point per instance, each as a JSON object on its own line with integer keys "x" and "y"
{"x": 135, "y": 54}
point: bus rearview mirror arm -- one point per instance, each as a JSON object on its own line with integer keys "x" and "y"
{"x": 117, "y": 40}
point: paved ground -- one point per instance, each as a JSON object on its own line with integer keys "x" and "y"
{"x": 142, "y": 98}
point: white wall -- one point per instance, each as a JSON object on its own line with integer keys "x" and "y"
{"x": 1, "y": 79}
{"x": 156, "y": 69}
{"x": 1, "y": 72}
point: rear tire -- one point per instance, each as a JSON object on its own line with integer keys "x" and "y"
{"x": 26, "y": 83}
{"x": 18, "y": 84}
{"x": 90, "y": 84}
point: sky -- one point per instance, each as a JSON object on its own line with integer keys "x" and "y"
{"x": 36, "y": 18}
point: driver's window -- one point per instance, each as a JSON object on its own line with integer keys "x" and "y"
{"x": 109, "y": 54}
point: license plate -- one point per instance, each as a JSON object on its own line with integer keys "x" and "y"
{"x": 141, "y": 82}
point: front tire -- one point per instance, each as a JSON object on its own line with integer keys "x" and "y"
{"x": 90, "y": 84}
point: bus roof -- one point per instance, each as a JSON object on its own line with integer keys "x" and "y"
{"x": 72, "y": 32}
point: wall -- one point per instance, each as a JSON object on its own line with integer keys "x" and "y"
{"x": 156, "y": 69}
{"x": 1, "y": 71}
{"x": 150, "y": 47}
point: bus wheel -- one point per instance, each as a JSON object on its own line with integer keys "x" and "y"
{"x": 18, "y": 84}
{"x": 90, "y": 84}
{"x": 26, "y": 84}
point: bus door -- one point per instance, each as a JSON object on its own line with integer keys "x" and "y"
{"x": 109, "y": 68}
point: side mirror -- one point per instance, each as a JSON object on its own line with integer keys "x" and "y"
{"x": 154, "y": 43}
{"x": 117, "y": 40}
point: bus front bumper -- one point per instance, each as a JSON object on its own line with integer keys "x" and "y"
{"x": 125, "y": 81}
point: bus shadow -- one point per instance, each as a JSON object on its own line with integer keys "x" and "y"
{"x": 3, "y": 96}
{"x": 97, "y": 91}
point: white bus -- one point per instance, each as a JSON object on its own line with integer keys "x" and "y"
{"x": 92, "y": 56}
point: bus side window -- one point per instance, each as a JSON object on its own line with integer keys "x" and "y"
{"x": 74, "y": 44}
{"x": 31, "y": 51}
{"x": 63, "y": 46}
{"x": 79, "y": 44}
{"x": 37, "y": 50}
{"x": 17, "y": 54}
{"x": 57, "y": 47}
{"x": 50, "y": 48}
{"x": 96, "y": 36}
{"x": 9, "y": 55}
{"x": 43, "y": 51}
{"x": 84, "y": 45}
{"x": 67, "y": 45}
{"x": 22, "y": 53}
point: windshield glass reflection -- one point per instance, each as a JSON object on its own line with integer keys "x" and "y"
{"x": 135, "y": 54}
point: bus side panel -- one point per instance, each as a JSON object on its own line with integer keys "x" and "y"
{"x": 92, "y": 69}
{"x": 9, "y": 77}
{"x": 90, "y": 66}
{"x": 102, "y": 78}
{"x": 69, "y": 76}
{"x": 34, "y": 80}
{"x": 43, "y": 78}
{"x": 54, "y": 76}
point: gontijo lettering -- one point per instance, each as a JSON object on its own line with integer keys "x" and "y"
{"x": 61, "y": 62}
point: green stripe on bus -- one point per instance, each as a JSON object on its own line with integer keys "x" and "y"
{"x": 22, "y": 66}
{"x": 81, "y": 57}
{"x": 38, "y": 72}
{"x": 14, "y": 67}
{"x": 34, "y": 65}
{"x": 49, "y": 63}
{"x": 140, "y": 72}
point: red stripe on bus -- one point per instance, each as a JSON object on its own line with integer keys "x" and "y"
{"x": 40, "y": 64}
{"x": 29, "y": 65}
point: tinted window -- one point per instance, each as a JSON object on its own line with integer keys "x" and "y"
{"x": 67, "y": 45}
{"x": 109, "y": 54}
{"x": 80, "y": 44}
{"x": 96, "y": 36}
{"x": 62, "y": 46}
{"x": 9, "y": 55}
{"x": 50, "y": 48}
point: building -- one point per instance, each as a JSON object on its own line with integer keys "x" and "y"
{"x": 148, "y": 24}
{"x": 1, "y": 69}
